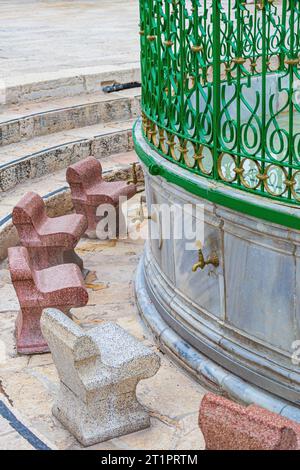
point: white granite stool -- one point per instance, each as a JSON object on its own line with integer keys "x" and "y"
{"x": 99, "y": 370}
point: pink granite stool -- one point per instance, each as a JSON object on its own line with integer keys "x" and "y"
{"x": 61, "y": 287}
{"x": 89, "y": 191}
{"x": 49, "y": 241}
{"x": 229, "y": 426}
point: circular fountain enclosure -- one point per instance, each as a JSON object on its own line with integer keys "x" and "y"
{"x": 243, "y": 315}
{"x": 220, "y": 130}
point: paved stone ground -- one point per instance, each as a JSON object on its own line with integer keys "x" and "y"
{"x": 29, "y": 382}
{"x": 39, "y": 36}
{"x": 11, "y": 439}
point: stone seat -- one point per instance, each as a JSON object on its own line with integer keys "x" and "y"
{"x": 99, "y": 371}
{"x": 58, "y": 286}
{"x": 89, "y": 190}
{"x": 64, "y": 230}
{"x": 108, "y": 192}
{"x": 50, "y": 241}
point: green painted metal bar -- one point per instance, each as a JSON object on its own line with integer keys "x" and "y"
{"x": 263, "y": 92}
{"x": 291, "y": 94}
{"x": 216, "y": 83}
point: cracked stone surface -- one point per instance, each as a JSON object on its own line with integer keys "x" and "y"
{"x": 29, "y": 383}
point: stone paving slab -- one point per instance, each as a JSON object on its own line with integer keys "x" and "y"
{"x": 29, "y": 383}
{"x": 61, "y": 35}
{"x": 15, "y": 432}
{"x": 11, "y": 440}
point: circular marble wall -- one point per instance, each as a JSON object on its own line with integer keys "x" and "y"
{"x": 234, "y": 324}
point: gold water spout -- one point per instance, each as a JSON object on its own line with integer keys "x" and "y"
{"x": 213, "y": 259}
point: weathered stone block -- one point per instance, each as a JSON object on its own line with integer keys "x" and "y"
{"x": 229, "y": 426}
{"x": 99, "y": 371}
{"x": 109, "y": 144}
{"x": 59, "y": 286}
{"x": 8, "y": 177}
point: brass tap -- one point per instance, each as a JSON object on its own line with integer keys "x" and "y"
{"x": 213, "y": 259}
{"x": 134, "y": 179}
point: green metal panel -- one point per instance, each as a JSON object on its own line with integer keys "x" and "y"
{"x": 220, "y": 91}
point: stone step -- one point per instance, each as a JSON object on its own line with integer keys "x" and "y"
{"x": 73, "y": 81}
{"x": 40, "y": 156}
{"x": 23, "y": 122}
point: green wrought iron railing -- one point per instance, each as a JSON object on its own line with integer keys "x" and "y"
{"x": 221, "y": 90}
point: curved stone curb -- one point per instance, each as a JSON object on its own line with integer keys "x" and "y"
{"x": 58, "y": 119}
{"x": 18, "y": 424}
{"x": 205, "y": 370}
{"x": 78, "y": 81}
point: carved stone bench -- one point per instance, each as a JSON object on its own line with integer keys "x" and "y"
{"x": 49, "y": 241}
{"x": 59, "y": 286}
{"x": 89, "y": 191}
{"x": 99, "y": 371}
{"x": 229, "y": 426}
